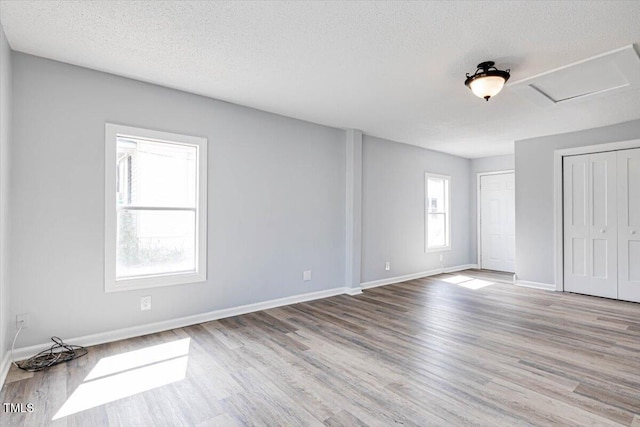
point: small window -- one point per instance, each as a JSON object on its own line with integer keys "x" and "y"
{"x": 155, "y": 210}
{"x": 437, "y": 215}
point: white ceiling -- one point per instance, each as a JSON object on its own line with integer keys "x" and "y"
{"x": 392, "y": 69}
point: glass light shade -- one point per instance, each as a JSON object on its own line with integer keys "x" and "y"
{"x": 485, "y": 87}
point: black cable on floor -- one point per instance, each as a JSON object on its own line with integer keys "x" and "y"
{"x": 59, "y": 352}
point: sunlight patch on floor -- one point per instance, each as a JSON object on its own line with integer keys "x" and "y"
{"x": 458, "y": 278}
{"x": 126, "y": 374}
{"x": 467, "y": 282}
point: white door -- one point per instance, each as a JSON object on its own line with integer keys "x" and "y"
{"x": 497, "y": 222}
{"x": 590, "y": 224}
{"x": 629, "y": 225}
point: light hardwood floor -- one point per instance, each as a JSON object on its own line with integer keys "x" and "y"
{"x": 419, "y": 353}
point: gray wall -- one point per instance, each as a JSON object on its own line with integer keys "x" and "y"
{"x": 276, "y": 200}
{"x": 393, "y": 208}
{"x": 484, "y": 164}
{"x": 5, "y": 137}
{"x": 535, "y": 245}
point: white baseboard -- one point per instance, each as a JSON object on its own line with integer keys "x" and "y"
{"x": 4, "y": 367}
{"x": 398, "y": 279}
{"x": 136, "y": 331}
{"x": 459, "y": 268}
{"x": 535, "y": 285}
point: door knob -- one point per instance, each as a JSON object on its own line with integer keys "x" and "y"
{"x": 602, "y": 231}
{"x": 632, "y": 232}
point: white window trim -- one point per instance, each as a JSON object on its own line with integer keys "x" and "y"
{"x": 427, "y": 249}
{"x": 112, "y": 132}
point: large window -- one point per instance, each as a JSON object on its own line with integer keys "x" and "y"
{"x": 155, "y": 208}
{"x": 437, "y": 214}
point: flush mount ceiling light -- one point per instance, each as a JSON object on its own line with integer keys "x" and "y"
{"x": 487, "y": 81}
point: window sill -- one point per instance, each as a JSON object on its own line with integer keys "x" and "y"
{"x": 440, "y": 249}
{"x": 154, "y": 282}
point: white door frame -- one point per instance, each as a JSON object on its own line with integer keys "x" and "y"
{"x": 478, "y": 210}
{"x": 557, "y": 194}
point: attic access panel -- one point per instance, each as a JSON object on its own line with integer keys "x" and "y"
{"x": 608, "y": 73}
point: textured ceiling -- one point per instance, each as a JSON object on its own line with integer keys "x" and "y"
{"x": 391, "y": 69}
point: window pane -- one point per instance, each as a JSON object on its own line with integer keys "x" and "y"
{"x": 435, "y": 194}
{"x": 436, "y": 230}
{"x": 151, "y": 173}
{"x": 155, "y": 242}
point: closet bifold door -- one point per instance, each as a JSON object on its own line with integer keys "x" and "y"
{"x": 590, "y": 224}
{"x": 576, "y": 230}
{"x": 604, "y": 225}
{"x": 629, "y": 224}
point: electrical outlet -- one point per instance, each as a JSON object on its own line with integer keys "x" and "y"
{"x": 387, "y": 266}
{"x": 145, "y": 303}
{"x": 24, "y": 319}
{"x": 306, "y": 275}
{"x": 441, "y": 257}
